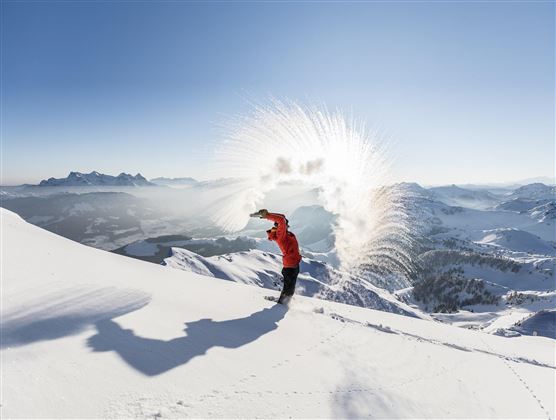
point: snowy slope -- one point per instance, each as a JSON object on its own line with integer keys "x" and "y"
{"x": 88, "y": 334}
{"x": 468, "y": 221}
{"x": 518, "y": 240}
{"x": 533, "y": 216}
{"x": 263, "y": 269}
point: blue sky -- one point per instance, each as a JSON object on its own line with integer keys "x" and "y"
{"x": 465, "y": 90}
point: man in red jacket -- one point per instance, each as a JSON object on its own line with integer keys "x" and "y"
{"x": 287, "y": 242}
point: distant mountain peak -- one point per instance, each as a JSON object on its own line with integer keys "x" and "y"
{"x": 79, "y": 179}
{"x": 536, "y": 190}
{"x": 174, "y": 182}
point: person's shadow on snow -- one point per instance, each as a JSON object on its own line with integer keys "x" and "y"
{"x": 153, "y": 357}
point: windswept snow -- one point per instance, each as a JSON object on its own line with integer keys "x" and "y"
{"x": 89, "y": 334}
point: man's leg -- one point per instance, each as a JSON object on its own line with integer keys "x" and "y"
{"x": 290, "y": 278}
{"x": 286, "y": 281}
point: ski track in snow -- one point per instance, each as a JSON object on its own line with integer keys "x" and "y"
{"x": 386, "y": 329}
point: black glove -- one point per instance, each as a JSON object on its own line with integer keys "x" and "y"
{"x": 260, "y": 214}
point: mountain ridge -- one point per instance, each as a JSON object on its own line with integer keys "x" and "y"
{"x": 94, "y": 178}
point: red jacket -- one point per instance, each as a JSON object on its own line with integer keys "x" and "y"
{"x": 286, "y": 240}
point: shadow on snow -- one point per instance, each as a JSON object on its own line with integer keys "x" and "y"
{"x": 67, "y": 312}
{"x": 153, "y": 357}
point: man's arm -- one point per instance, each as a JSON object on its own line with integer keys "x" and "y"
{"x": 282, "y": 225}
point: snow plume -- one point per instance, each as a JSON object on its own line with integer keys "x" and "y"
{"x": 286, "y": 142}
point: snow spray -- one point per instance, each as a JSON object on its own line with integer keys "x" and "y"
{"x": 346, "y": 163}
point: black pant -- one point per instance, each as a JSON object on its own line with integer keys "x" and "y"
{"x": 290, "y": 277}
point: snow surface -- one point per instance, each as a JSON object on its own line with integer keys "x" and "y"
{"x": 87, "y": 333}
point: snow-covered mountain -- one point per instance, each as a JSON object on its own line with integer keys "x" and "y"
{"x": 174, "y": 182}
{"x": 536, "y": 191}
{"x": 545, "y": 212}
{"x": 520, "y": 205}
{"x": 433, "y": 216}
{"x": 78, "y": 179}
{"x": 91, "y": 334}
{"x": 104, "y": 220}
{"x": 471, "y": 248}
{"x": 487, "y": 269}
{"x": 158, "y": 248}
{"x": 313, "y": 228}
{"x": 263, "y": 269}
{"x": 457, "y": 196}
{"x": 518, "y": 240}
